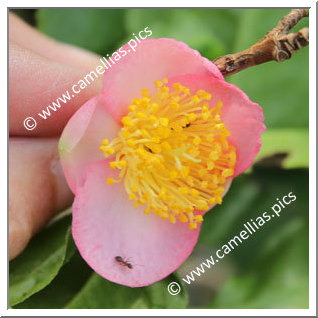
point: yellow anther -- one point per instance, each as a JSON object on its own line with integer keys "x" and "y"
{"x": 211, "y": 201}
{"x": 132, "y": 108}
{"x": 198, "y": 218}
{"x": 186, "y": 91}
{"x": 172, "y": 218}
{"x": 195, "y": 98}
{"x": 219, "y": 199}
{"x": 164, "y": 121}
{"x": 125, "y": 133}
{"x": 131, "y": 143}
{"x": 192, "y": 226}
{"x": 164, "y": 89}
{"x": 158, "y": 83}
{"x": 177, "y": 86}
{"x": 105, "y": 142}
{"x": 141, "y": 115}
{"x": 203, "y": 94}
{"x": 127, "y": 121}
{"x": 144, "y": 92}
{"x": 189, "y": 209}
{"x": 145, "y": 101}
{"x": 203, "y": 207}
{"x": 110, "y": 151}
{"x": 207, "y": 96}
{"x": 146, "y": 195}
{"x": 147, "y": 211}
{"x": 141, "y": 153}
{"x": 132, "y": 196}
{"x": 122, "y": 163}
{"x": 183, "y": 218}
{"x": 136, "y": 101}
{"x": 227, "y": 173}
{"x": 219, "y": 126}
{"x": 142, "y": 201}
{"x": 111, "y": 181}
{"x": 217, "y": 118}
{"x": 205, "y": 109}
{"x": 134, "y": 188}
{"x": 163, "y": 215}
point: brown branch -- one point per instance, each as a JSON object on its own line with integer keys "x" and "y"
{"x": 276, "y": 45}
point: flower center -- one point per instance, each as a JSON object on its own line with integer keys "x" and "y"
{"x": 172, "y": 153}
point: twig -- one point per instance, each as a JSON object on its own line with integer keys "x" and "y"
{"x": 276, "y": 45}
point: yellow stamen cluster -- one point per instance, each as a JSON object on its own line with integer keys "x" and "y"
{"x": 172, "y": 153}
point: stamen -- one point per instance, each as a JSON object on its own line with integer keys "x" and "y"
{"x": 172, "y": 153}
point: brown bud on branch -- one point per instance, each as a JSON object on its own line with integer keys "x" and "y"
{"x": 276, "y": 45}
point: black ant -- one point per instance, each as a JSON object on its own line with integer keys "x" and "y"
{"x": 123, "y": 262}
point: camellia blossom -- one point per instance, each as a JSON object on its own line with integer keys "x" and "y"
{"x": 150, "y": 155}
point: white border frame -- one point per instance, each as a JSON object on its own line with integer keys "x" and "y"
{"x": 312, "y": 161}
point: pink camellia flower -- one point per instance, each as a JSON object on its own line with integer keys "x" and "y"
{"x": 150, "y": 155}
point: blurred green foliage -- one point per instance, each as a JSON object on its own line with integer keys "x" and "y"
{"x": 97, "y": 30}
{"x": 271, "y": 269}
{"x": 272, "y": 265}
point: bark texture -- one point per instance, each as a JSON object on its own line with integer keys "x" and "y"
{"x": 277, "y": 45}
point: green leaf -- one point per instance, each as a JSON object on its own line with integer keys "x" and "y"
{"x": 270, "y": 268}
{"x": 100, "y": 293}
{"x": 281, "y": 283}
{"x": 205, "y": 30}
{"x": 97, "y": 30}
{"x": 40, "y": 262}
{"x": 282, "y": 89}
{"x": 293, "y": 141}
{"x": 70, "y": 279}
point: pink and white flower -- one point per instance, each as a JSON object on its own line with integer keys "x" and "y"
{"x": 150, "y": 155}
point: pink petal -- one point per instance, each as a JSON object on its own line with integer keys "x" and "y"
{"x": 243, "y": 118}
{"x": 154, "y": 59}
{"x": 81, "y": 138}
{"x": 106, "y": 225}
